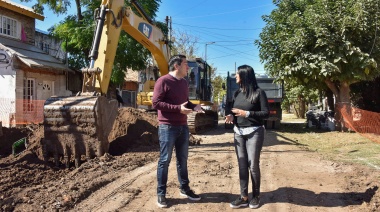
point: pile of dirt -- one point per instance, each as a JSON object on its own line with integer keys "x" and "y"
{"x": 28, "y": 183}
{"x": 133, "y": 128}
{"x": 137, "y": 128}
{"x": 133, "y": 131}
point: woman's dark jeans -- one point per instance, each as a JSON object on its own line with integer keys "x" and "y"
{"x": 170, "y": 137}
{"x": 248, "y": 148}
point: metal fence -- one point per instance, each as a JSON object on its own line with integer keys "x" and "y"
{"x": 21, "y": 111}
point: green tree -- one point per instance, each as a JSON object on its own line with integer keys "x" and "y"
{"x": 218, "y": 91}
{"x": 58, "y": 7}
{"x": 298, "y": 97}
{"x": 61, "y": 6}
{"x": 316, "y": 42}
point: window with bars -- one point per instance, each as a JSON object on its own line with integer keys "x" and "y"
{"x": 46, "y": 48}
{"x": 8, "y": 26}
{"x": 29, "y": 87}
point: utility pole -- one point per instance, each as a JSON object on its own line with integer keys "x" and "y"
{"x": 208, "y": 74}
{"x": 209, "y": 43}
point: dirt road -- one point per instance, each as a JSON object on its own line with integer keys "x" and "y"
{"x": 293, "y": 179}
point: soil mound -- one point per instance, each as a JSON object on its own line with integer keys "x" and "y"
{"x": 133, "y": 128}
{"x": 133, "y": 131}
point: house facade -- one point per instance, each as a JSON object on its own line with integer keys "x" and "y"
{"x": 28, "y": 74}
{"x": 49, "y": 44}
{"x": 129, "y": 88}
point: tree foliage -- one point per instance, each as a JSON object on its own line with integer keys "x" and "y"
{"x": 317, "y": 43}
{"x": 298, "y": 97}
{"x": 316, "y": 40}
{"x": 218, "y": 91}
{"x": 58, "y": 7}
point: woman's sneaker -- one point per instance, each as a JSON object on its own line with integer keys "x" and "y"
{"x": 255, "y": 202}
{"x": 239, "y": 202}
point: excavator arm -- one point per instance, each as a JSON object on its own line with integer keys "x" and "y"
{"x": 114, "y": 17}
{"x": 79, "y": 126}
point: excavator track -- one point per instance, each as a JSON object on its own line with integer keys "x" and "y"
{"x": 77, "y": 126}
{"x": 200, "y": 122}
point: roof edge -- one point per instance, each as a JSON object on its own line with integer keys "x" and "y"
{"x": 22, "y": 10}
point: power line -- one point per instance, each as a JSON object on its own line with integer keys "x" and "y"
{"x": 218, "y": 36}
{"x": 223, "y": 13}
{"x": 229, "y": 41}
{"x": 236, "y": 50}
{"x": 245, "y": 29}
{"x": 231, "y": 52}
{"x": 241, "y": 44}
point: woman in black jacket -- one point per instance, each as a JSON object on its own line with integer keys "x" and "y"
{"x": 250, "y": 108}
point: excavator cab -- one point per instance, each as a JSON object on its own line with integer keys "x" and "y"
{"x": 200, "y": 92}
{"x": 199, "y": 80}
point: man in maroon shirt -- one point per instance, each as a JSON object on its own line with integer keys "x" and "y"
{"x": 171, "y": 99}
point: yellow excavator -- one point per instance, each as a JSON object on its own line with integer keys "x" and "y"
{"x": 79, "y": 126}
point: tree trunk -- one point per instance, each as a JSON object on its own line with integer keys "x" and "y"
{"x": 79, "y": 10}
{"x": 302, "y": 108}
{"x": 342, "y": 94}
{"x": 299, "y": 111}
{"x": 296, "y": 110}
{"x": 330, "y": 100}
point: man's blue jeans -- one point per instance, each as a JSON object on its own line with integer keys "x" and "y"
{"x": 169, "y": 137}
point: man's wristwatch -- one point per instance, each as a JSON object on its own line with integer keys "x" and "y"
{"x": 247, "y": 114}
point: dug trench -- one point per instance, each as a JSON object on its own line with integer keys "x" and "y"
{"x": 293, "y": 178}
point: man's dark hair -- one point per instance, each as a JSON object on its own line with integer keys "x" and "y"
{"x": 176, "y": 59}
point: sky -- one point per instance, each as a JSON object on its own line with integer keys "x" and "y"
{"x": 225, "y": 30}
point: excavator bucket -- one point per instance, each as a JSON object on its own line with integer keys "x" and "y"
{"x": 77, "y": 126}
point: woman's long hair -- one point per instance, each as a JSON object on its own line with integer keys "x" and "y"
{"x": 248, "y": 83}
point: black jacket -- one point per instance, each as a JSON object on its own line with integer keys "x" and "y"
{"x": 258, "y": 111}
